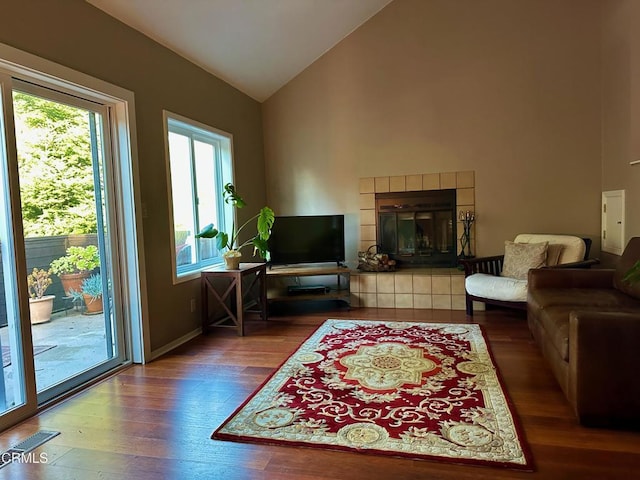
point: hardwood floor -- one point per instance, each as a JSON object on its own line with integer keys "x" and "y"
{"x": 155, "y": 421}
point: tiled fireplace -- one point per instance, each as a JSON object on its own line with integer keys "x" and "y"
{"x": 438, "y": 288}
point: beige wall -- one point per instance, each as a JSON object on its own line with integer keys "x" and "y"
{"x": 79, "y": 36}
{"x": 509, "y": 89}
{"x": 621, "y": 106}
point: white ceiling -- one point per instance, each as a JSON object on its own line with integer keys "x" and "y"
{"x": 255, "y": 45}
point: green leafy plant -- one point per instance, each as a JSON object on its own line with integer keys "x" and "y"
{"x": 77, "y": 259}
{"x": 633, "y": 275}
{"x": 38, "y": 281}
{"x": 265, "y": 219}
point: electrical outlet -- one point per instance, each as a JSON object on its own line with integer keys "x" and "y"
{"x": 193, "y": 305}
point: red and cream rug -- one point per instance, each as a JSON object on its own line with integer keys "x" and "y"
{"x": 416, "y": 390}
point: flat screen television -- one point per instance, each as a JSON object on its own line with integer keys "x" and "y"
{"x": 307, "y": 239}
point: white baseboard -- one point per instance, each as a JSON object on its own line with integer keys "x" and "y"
{"x": 176, "y": 343}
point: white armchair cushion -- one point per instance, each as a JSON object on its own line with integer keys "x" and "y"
{"x": 496, "y": 288}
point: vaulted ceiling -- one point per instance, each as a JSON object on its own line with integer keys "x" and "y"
{"x": 255, "y": 45}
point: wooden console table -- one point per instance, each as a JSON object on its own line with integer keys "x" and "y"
{"x": 337, "y": 288}
{"x": 237, "y": 286}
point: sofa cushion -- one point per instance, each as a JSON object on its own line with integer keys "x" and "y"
{"x": 555, "y": 323}
{"x": 519, "y": 258}
{"x": 496, "y": 288}
{"x": 582, "y": 298}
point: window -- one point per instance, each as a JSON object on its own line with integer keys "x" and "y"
{"x": 200, "y": 164}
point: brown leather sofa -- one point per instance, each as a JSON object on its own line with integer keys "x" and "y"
{"x": 587, "y": 324}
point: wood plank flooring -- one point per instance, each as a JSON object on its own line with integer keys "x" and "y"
{"x": 155, "y": 421}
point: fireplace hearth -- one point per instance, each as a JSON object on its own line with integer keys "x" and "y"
{"x": 418, "y": 228}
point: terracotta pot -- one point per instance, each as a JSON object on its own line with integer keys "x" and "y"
{"x": 73, "y": 281}
{"x": 94, "y": 305}
{"x": 40, "y": 309}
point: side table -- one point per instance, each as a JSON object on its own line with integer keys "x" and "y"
{"x": 238, "y": 286}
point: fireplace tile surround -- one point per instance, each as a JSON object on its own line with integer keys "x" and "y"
{"x": 419, "y": 288}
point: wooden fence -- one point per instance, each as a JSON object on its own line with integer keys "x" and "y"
{"x": 40, "y": 252}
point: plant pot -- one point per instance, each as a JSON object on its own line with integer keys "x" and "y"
{"x": 73, "y": 281}
{"x": 232, "y": 259}
{"x": 94, "y": 305}
{"x": 40, "y": 309}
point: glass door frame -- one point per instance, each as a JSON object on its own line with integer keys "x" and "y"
{"x": 14, "y": 259}
{"x": 120, "y": 120}
{"x": 108, "y": 267}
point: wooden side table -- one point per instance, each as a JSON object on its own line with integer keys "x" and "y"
{"x": 237, "y": 286}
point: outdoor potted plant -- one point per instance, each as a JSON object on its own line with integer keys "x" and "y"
{"x": 40, "y": 305}
{"x": 229, "y": 241}
{"x": 74, "y": 267}
{"x": 91, "y": 293}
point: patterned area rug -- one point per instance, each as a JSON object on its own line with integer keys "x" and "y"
{"x": 416, "y": 390}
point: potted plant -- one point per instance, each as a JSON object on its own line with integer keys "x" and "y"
{"x": 74, "y": 267}
{"x": 40, "y": 305}
{"x": 633, "y": 274}
{"x": 229, "y": 241}
{"x": 91, "y": 293}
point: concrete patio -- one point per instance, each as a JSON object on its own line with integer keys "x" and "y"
{"x": 77, "y": 343}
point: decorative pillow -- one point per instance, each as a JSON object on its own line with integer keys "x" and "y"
{"x": 519, "y": 258}
{"x": 554, "y": 250}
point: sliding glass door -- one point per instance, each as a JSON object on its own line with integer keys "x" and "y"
{"x": 60, "y": 142}
{"x": 61, "y": 323}
{"x": 14, "y": 337}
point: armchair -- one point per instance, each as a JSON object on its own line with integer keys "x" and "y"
{"x": 487, "y": 282}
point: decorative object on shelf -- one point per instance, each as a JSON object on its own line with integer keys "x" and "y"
{"x": 370, "y": 261}
{"x": 232, "y": 259}
{"x": 40, "y": 305}
{"x": 74, "y": 267}
{"x": 467, "y": 218}
{"x": 265, "y": 219}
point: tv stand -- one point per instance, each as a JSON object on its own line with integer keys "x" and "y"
{"x": 334, "y": 281}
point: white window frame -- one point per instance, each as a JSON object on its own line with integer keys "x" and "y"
{"x": 225, "y": 165}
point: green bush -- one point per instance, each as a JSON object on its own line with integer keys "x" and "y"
{"x": 77, "y": 259}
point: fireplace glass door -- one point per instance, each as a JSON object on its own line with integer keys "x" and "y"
{"x": 418, "y": 230}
